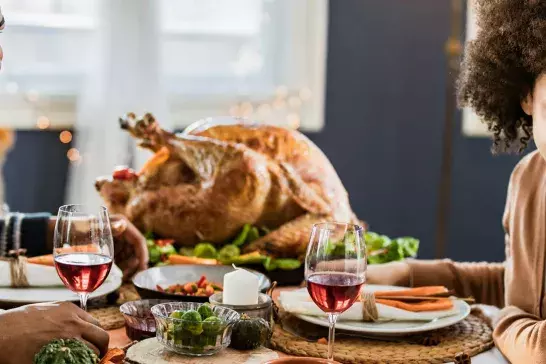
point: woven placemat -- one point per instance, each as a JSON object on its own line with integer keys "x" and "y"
{"x": 457, "y": 343}
{"x": 106, "y": 310}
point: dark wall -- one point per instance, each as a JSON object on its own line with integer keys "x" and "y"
{"x": 384, "y": 123}
{"x": 35, "y": 172}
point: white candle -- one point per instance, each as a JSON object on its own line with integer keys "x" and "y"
{"x": 241, "y": 287}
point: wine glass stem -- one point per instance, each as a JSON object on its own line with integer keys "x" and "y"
{"x": 83, "y": 300}
{"x": 332, "y": 318}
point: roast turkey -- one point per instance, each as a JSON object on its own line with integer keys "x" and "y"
{"x": 207, "y": 182}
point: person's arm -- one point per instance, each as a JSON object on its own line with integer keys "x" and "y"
{"x": 483, "y": 281}
{"x": 520, "y": 336}
{"x": 33, "y": 232}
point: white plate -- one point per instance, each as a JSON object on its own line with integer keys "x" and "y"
{"x": 396, "y": 328}
{"x": 25, "y": 296}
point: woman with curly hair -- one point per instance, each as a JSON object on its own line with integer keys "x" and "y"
{"x": 503, "y": 79}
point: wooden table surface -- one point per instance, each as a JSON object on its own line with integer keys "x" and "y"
{"x": 118, "y": 339}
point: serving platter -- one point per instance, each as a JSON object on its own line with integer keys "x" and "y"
{"x": 393, "y": 328}
{"x": 146, "y": 281}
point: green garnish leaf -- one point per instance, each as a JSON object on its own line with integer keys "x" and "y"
{"x": 241, "y": 238}
{"x": 287, "y": 264}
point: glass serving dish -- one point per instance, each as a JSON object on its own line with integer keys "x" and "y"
{"x": 190, "y": 334}
{"x": 139, "y": 321}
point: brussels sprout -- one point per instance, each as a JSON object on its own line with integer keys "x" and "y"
{"x": 205, "y": 250}
{"x": 177, "y": 314}
{"x": 192, "y": 322}
{"x": 205, "y": 311}
{"x": 154, "y": 254}
{"x": 167, "y": 249}
{"x": 212, "y": 325}
{"x": 228, "y": 253}
{"x": 186, "y": 250}
{"x": 207, "y": 339}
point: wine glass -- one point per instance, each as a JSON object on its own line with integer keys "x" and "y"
{"x": 83, "y": 248}
{"x": 335, "y": 270}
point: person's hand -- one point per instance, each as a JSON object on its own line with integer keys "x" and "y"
{"x": 25, "y": 330}
{"x": 2, "y": 24}
{"x": 391, "y": 274}
{"x": 130, "y": 251}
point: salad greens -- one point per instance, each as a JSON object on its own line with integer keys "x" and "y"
{"x": 380, "y": 248}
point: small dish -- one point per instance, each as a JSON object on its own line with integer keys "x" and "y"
{"x": 139, "y": 321}
{"x": 193, "y": 337}
{"x": 300, "y": 360}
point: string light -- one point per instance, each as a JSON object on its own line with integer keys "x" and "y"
{"x": 305, "y": 93}
{"x": 294, "y": 102}
{"x": 43, "y": 122}
{"x": 264, "y": 109}
{"x": 246, "y": 108}
{"x": 12, "y": 87}
{"x": 279, "y": 104}
{"x": 234, "y": 110}
{"x": 65, "y": 136}
{"x": 281, "y": 92}
{"x": 293, "y": 120}
{"x": 32, "y": 95}
{"x": 73, "y": 154}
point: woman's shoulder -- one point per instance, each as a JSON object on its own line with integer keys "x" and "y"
{"x": 529, "y": 174}
{"x": 532, "y": 163}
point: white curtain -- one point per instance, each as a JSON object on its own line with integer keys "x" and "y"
{"x": 126, "y": 78}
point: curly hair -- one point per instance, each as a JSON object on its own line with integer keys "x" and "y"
{"x": 501, "y": 65}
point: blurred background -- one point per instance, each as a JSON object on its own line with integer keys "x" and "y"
{"x": 368, "y": 81}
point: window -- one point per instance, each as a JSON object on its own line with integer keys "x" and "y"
{"x": 259, "y": 58}
{"x": 472, "y": 124}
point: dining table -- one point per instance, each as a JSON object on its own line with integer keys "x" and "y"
{"x": 118, "y": 338}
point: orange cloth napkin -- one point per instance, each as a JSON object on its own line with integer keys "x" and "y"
{"x": 422, "y": 306}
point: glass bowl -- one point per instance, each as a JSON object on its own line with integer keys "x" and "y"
{"x": 139, "y": 321}
{"x": 195, "y": 338}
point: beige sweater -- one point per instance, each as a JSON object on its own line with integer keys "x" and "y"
{"x": 518, "y": 284}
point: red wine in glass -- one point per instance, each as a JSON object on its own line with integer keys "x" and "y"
{"x": 333, "y": 291}
{"x": 83, "y": 272}
{"x": 334, "y": 280}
